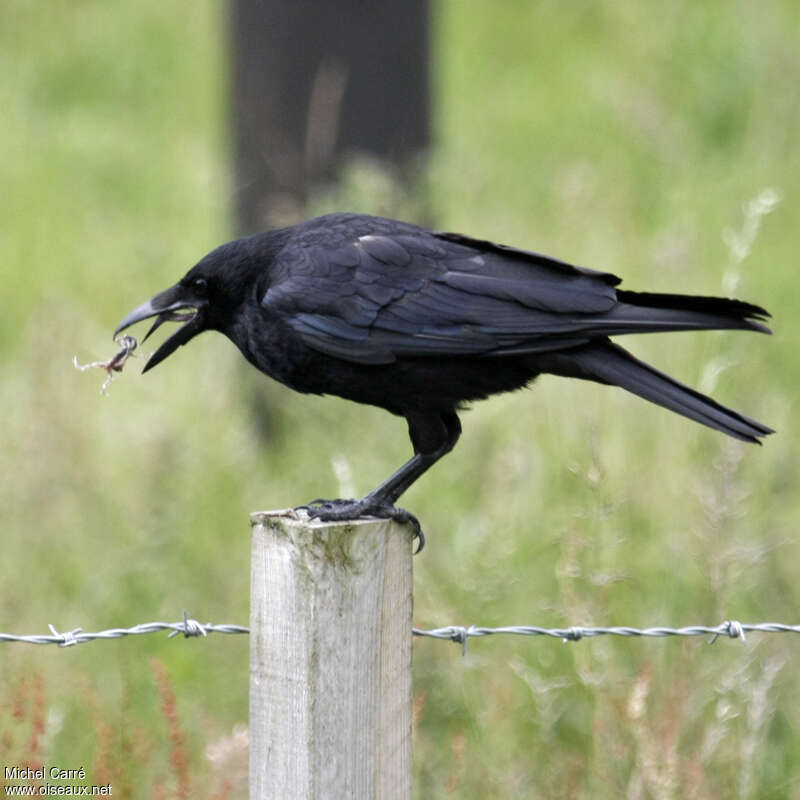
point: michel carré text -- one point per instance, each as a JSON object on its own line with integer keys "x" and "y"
{"x": 53, "y": 773}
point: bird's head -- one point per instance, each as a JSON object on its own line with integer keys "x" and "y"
{"x": 204, "y": 299}
{"x": 187, "y": 302}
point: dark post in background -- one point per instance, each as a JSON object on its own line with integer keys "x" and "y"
{"x": 316, "y": 80}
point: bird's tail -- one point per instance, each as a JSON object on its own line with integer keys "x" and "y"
{"x": 605, "y": 362}
{"x": 648, "y": 312}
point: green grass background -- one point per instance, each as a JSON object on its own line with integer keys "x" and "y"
{"x": 623, "y": 136}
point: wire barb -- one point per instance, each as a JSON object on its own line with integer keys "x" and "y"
{"x": 66, "y": 639}
{"x": 574, "y": 634}
{"x": 191, "y": 627}
{"x": 730, "y": 628}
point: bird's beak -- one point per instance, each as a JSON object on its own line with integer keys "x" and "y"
{"x": 176, "y": 304}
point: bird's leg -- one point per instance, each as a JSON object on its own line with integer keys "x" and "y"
{"x": 380, "y": 502}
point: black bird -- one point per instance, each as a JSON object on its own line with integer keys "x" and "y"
{"x": 420, "y": 323}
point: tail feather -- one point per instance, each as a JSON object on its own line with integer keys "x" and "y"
{"x": 647, "y": 311}
{"x": 608, "y": 363}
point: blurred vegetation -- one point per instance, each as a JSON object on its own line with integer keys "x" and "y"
{"x": 624, "y": 136}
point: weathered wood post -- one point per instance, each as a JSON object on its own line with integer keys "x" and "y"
{"x": 330, "y": 659}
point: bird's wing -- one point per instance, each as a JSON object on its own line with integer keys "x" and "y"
{"x": 380, "y": 296}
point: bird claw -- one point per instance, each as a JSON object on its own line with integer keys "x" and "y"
{"x": 341, "y": 510}
{"x": 315, "y": 507}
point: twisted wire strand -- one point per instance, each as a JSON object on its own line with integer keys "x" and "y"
{"x": 459, "y": 634}
{"x": 188, "y": 628}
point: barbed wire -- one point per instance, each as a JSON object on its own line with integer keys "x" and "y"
{"x": 188, "y": 627}
{"x": 454, "y": 633}
{"x": 730, "y": 628}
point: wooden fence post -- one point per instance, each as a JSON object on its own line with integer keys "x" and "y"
{"x": 330, "y": 659}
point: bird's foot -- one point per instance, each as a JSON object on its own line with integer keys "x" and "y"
{"x": 342, "y": 510}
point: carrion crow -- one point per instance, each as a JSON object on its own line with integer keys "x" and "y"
{"x": 421, "y": 323}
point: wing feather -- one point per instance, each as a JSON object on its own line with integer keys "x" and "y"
{"x": 382, "y": 290}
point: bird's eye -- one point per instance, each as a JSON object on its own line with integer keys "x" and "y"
{"x": 200, "y": 286}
